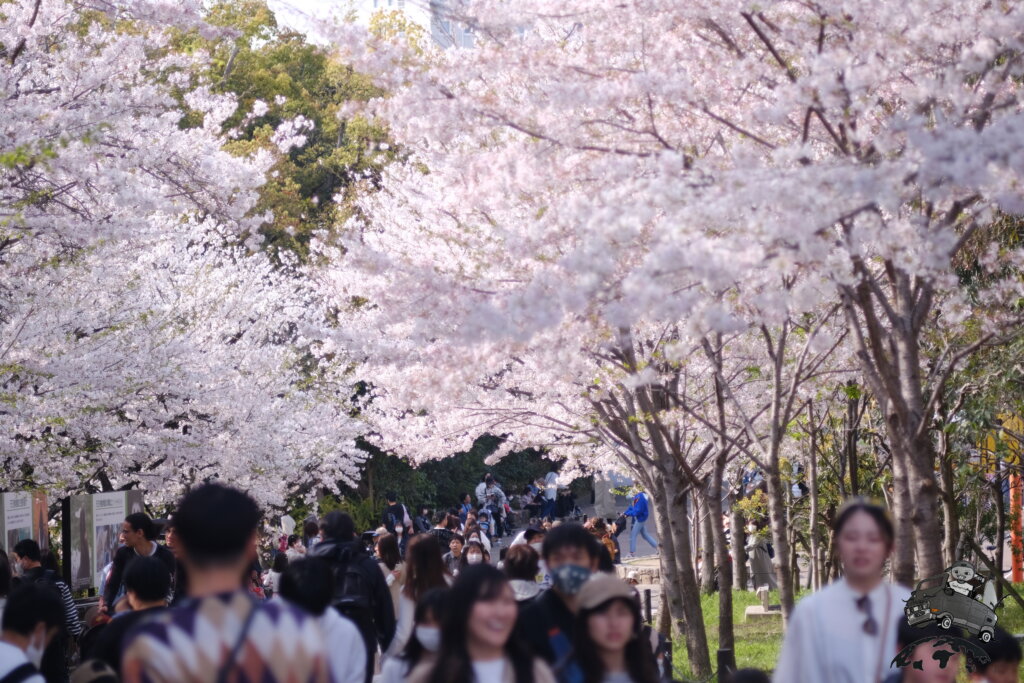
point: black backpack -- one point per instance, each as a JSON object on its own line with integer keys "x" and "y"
{"x": 352, "y": 592}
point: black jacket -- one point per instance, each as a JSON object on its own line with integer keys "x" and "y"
{"x": 381, "y": 607}
{"x": 539, "y": 619}
{"x": 122, "y": 558}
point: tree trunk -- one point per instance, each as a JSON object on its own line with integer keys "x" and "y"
{"x": 997, "y": 495}
{"x": 950, "y": 518}
{"x": 851, "y": 436}
{"x": 707, "y": 548}
{"x": 924, "y": 491}
{"x": 903, "y": 552}
{"x": 780, "y": 538}
{"x": 723, "y": 567}
{"x": 690, "y": 619}
{"x": 739, "y": 548}
{"x": 812, "y": 527}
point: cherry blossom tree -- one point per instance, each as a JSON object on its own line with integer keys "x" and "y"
{"x": 144, "y": 339}
{"x": 620, "y": 164}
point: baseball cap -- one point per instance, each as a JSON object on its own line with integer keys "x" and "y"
{"x": 600, "y": 588}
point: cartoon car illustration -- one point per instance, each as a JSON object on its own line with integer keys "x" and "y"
{"x": 934, "y": 600}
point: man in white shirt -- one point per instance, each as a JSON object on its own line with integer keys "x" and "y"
{"x": 33, "y": 616}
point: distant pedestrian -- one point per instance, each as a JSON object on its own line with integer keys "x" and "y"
{"x": 396, "y": 519}
{"x": 453, "y": 558}
{"x": 138, "y": 533}
{"x": 639, "y": 510}
{"x": 522, "y": 564}
{"x": 550, "y": 495}
{"x": 390, "y": 560}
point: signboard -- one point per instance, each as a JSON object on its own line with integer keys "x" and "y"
{"x": 24, "y": 514}
{"x": 92, "y": 531}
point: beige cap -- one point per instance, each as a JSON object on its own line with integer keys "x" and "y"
{"x": 600, "y": 588}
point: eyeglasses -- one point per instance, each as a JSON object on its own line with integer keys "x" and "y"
{"x": 870, "y": 626}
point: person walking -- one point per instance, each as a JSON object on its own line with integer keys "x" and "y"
{"x": 33, "y": 618}
{"x": 221, "y": 630}
{"x": 522, "y": 564}
{"x": 639, "y": 510}
{"x": 424, "y": 569}
{"x": 859, "y": 611}
{"x": 550, "y": 485}
{"x": 29, "y": 558}
{"x": 147, "y": 584}
{"x": 453, "y": 558}
{"x": 476, "y": 642}
{"x": 396, "y": 519}
{"x": 390, "y": 560}
{"x": 360, "y": 590}
{"x": 138, "y": 533}
{"x": 608, "y": 642}
{"x": 547, "y": 624}
{"x": 307, "y": 583}
{"x": 425, "y": 640}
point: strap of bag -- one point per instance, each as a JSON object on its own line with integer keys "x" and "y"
{"x": 20, "y": 673}
{"x": 229, "y": 663}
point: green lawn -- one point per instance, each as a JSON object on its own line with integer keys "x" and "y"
{"x": 758, "y": 642}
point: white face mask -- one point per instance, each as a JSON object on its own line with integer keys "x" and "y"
{"x": 34, "y": 651}
{"x": 429, "y": 637}
{"x": 475, "y": 558}
{"x": 537, "y": 546}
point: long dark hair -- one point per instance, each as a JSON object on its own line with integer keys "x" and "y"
{"x": 476, "y": 583}
{"x": 387, "y": 549}
{"x": 424, "y": 566}
{"x": 640, "y": 662}
{"x": 433, "y": 603}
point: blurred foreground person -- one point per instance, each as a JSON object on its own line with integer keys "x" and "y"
{"x": 425, "y": 641}
{"x": 308, "y": 583}
{"x": 32, "y": 618}
{"x": 846, "y": 632}
{"x": 222, "y": 633}
{"x": 938, "y": 664}
{"x": 476, "y": 646}
{"x": 1005, "y": 653}
{"x": 608, "y": 642}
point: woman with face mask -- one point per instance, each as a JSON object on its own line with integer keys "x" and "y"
{"x": 424, "y": 569}
{"x": 476, "y": 642}
{"x": 859, "y": 611}
{"x": 607, "y": 643}
{"x": 425, "y": 640}
{"x": 473, "y": 553}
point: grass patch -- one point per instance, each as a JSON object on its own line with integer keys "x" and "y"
{"x": 758, "y": 643}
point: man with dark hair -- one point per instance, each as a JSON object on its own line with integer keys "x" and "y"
{"x": 147, "y": 583}
{"x": 28, "y": 556}
{"x": 32, "y": 619}
{"x": 222, "y": 631}
{"x": 307, "y": 582}
{"x": 138, "y": 533}
{"x": 1005, "y": 653}
{"x": 571, "y": 554}
{"x": 929, "y": 662}
{"x": 361, "y": 592}
{"x": 396, "y": 520}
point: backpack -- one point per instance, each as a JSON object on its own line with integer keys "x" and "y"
{"x": 352, "y": 593}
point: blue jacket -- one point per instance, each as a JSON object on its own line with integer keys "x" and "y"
{"x": 639, "y": 509}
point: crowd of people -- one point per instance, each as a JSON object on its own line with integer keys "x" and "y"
{"x": 425, "y": 603}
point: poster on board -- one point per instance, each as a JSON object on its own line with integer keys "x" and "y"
{"x": 23, "y": 514}
{"x": 92, "y": 532}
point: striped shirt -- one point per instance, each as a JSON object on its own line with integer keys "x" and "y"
{"x": 193, "y": 642}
